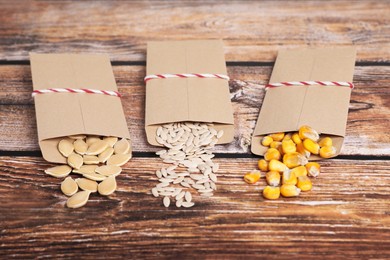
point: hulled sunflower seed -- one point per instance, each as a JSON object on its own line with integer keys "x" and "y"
{"x": 166, "y": 202}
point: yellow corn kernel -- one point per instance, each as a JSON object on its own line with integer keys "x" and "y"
{"x": 326, "y": 141}
{"x": 273, "y": 178}
{"x": 304, "y": 183}
{"x": 272, "y": 154}
{"x": 311, "y": 146}
{"x": 313, "y": 169}
{"x": 267, "y": 140}
{"x": 277, "y": 136}
{"x": 263, "y": 165}
{"x": 296, "y": 139}
{"x": 275, "y": 144}
{"x": 289, "y": 190}
{"x": 289, "y": 177}
{"x": 275, "y": 165}
{"x": 302, "y": 150}
{"x": 287, "y": 136}
{"x": 271, "y": 193}
{"x": 299, "y": 171}
{"x": 328, "y": 151}
{"x": 306, "y": 132}
{"x": 252, "y": 177}
{"x": 292, "y": 160}
{"x": 288, "y": 146}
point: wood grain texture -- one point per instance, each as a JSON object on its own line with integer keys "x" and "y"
{"x": 252, "y": 30}
{"x": 346, "y": 215}
{"x": 367, "y": 127}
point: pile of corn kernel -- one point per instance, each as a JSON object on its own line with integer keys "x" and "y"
{"x": 286, "y": 162}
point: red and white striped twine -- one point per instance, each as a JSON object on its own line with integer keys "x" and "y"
{"x": 186, "y": 75}
{"x": 310, "y": 83}
{"x": 76, "y": 90}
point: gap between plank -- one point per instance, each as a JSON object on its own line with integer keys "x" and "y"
{"x": 217, "y": 155}
{"x": 228, "y": 63}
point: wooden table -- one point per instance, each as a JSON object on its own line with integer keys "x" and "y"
{"x": 346, "y": 215}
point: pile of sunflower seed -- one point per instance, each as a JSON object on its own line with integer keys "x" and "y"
{"x": 188, "y": 150}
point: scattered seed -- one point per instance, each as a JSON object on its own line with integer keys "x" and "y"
{"x": 69, "y": 186}
{"x": 110, "y": 140}
{"x": 108, "y": 186}
{"x": 86, "y": 169}
{"x": 188, "y": 196}
{"x": 75, "y": 160}
{"x": 187, "y": 204}
{"x": 108, "y": 170}
{"x": 155, "y": 192}
{"x": 87, "y": 185}
{"x": 166, "y": 202}
{"x": 78, "y": 200}
{"x": 90, "y": 159}
{"x": 94, "y": 176}
{"x": 59, "y": 171}
{"x": 119, "y": 159}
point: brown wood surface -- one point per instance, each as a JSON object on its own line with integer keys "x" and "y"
{"x": 252, "y": 30}
{"x": 345, "y": 216}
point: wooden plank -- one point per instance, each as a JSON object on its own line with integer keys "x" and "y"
{"x": 367, "y": 128}
{"x": 252, "y": 30}
{"x": 344, "y": 216}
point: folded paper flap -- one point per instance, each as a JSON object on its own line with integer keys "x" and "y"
{"x": 173, "y": 57}
{"x": 321, "y": 64}
{"x": 187, "y": 99}
{"x": 63, "y": 114}
{"x": 72, "y": 71}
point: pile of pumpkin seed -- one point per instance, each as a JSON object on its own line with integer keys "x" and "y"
{"x": 97, "y": 159}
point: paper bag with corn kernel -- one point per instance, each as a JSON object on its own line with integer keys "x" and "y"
{"x": 325, "y": 108}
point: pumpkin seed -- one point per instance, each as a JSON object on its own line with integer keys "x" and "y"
{"x": 97, "y": 147}
{"x": 122, "y": 147}
{"x": 110, "y": 140}
{"x": 86, "y": 169}
{"x": 91, "y": 139}
{"x": 166, "y": 202}
{"x": 94, "y": 176}
{"x": 87, "y": 185}
{"x": 90, "y": 159}
{"x": 80, "y": 146}
{"x": 65, "y": 147}
{"x": 103, "y": 157}
{"x": 78, "y": 200}
{"x": 75, "y": 160}
{"x": 108, "y": 186}
{"x": 59, "y": 171}
{"x": 77, "y": 137}
{"x": 69, "y": 186}
{"x": 108, "y": 170}
{"x": 118, "y": 159}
